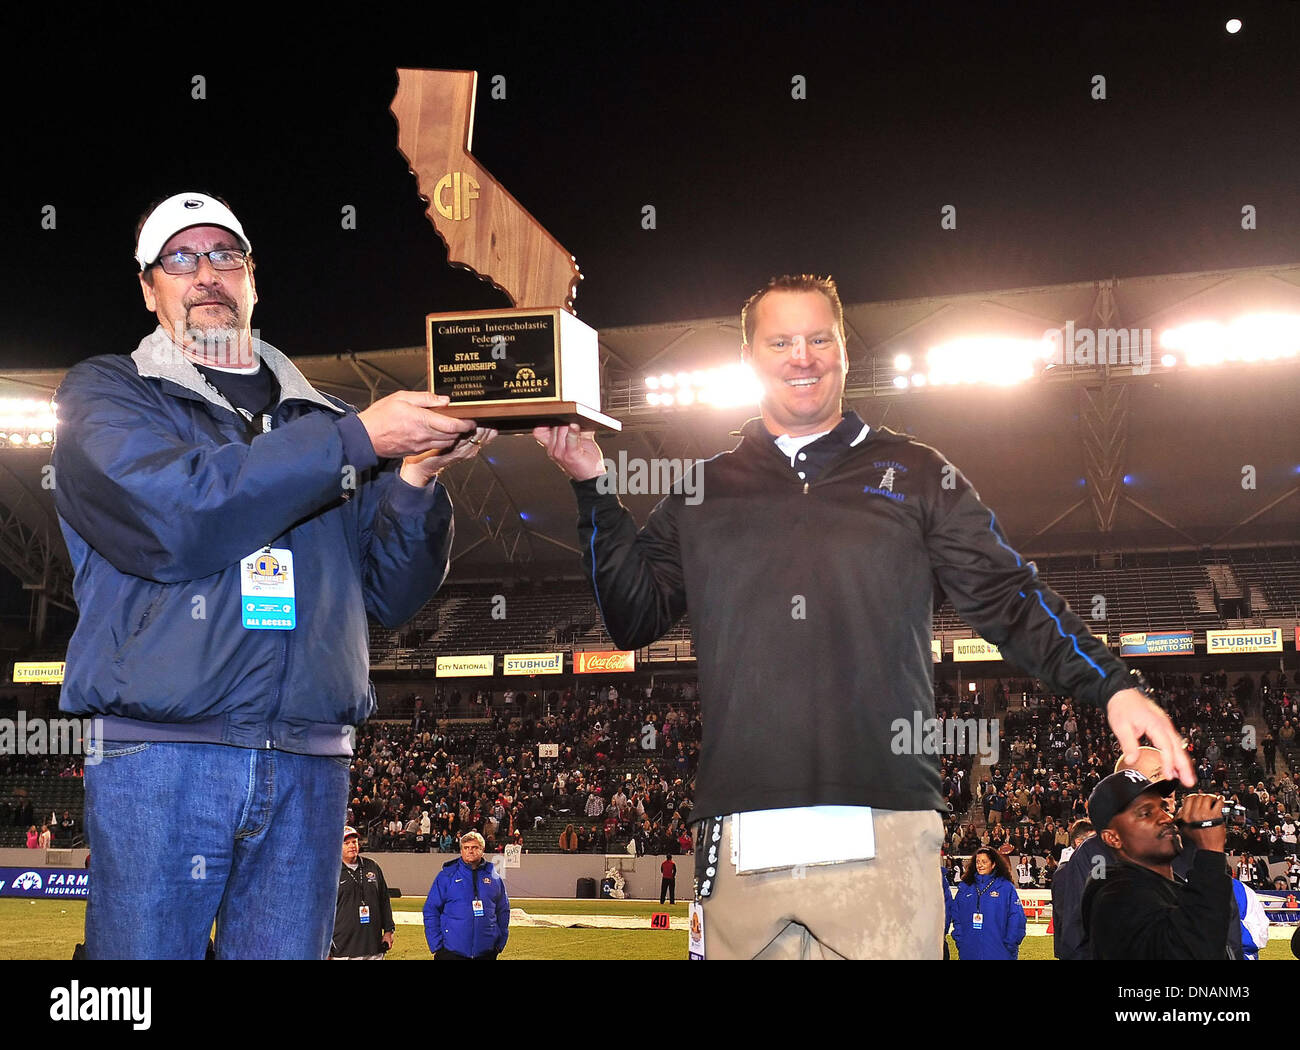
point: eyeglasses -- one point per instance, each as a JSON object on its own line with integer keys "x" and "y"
{"x": 178, "y": 263}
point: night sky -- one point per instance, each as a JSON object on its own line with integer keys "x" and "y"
{"x": 906, "y": 111}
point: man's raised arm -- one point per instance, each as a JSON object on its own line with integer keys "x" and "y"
{"x": 636, "y": 576}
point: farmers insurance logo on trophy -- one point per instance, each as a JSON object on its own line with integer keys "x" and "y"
{"x": 512, "y": 369}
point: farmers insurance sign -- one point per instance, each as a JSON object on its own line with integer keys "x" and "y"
{"x": 1260, "y": 640}
{"x": 604, "y": 662}
{"x": 464, "y": 666}
{"x": 44, "y": 882}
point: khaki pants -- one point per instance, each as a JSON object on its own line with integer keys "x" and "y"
{"x": 884, "y": 908}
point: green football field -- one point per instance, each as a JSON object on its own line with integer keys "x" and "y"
{"x": 50, "y": 930}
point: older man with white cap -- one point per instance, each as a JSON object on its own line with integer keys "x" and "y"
{"x": 363, "y": 916}
{"x": 231, "y": 529}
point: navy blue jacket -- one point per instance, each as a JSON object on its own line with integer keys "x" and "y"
{"x": 449, "y": 919}
{"x": 1069, "y": 935}
{"x": 1003, "y": 926}
{"x": 161, "y": 492}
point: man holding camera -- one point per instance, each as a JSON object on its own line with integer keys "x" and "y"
{"x": 1140, "y": 910}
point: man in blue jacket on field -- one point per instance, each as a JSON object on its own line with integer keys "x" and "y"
{"x": 467, "y": 915}
{"x": 231, "y": 530}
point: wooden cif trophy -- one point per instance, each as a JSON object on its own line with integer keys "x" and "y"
{"x": 534, "y": 364}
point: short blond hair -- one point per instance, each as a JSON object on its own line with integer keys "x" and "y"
{"x": 473, "y": 836}
{"x": 803, "y": 282}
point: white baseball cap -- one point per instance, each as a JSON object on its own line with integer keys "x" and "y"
{"x": 180, "y": 212}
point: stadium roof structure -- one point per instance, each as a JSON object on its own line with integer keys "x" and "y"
{"x": 1081, "y": 459}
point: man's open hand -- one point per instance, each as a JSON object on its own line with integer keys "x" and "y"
{"x": 405, "y": 424}
{"x": 420, "y": 470}
{"x": 1132, "y": 714}
{"x": 573, "y": 449}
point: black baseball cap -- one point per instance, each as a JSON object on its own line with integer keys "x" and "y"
{"x": 1118, "y": 791}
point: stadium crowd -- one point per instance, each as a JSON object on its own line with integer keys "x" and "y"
{"x": 625, "y": 760}
{"x": 626, "y": 756}
{"x": 1053, "y": 752}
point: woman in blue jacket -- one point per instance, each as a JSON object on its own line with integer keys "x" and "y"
{"x": 988, "y": 921}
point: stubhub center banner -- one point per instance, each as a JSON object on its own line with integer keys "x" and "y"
{"x": 533, "y": 663}
{"x": 44, "y": 882}
{"x": 1250, "y": 640}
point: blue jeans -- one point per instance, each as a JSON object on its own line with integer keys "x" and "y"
{"x": 181, "y": 835}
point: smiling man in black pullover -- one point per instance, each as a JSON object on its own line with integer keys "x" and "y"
{"x": 808, "y": 566}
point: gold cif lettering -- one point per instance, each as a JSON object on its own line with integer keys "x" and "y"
{"x": 460, "y": 189}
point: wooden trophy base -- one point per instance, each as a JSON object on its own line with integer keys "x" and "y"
{"x": 519, "y": 418}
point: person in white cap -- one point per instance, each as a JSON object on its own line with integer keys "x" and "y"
{"x": 363, "y": 915}
{"x": 231, "y": 529}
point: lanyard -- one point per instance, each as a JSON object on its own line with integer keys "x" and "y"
{"x": 261, "y": 426}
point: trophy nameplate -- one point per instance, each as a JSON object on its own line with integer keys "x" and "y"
{"x": 516, "y": 369}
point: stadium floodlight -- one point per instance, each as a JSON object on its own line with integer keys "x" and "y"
{"x": 728, "y": 386}
{"x": 998, "y": 360}
{"x": 731, "y": 386}
{"x": 26, "y": 422}
{"x": 1248, "y": 338}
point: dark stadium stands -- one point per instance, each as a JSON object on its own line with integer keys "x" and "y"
{"x": 1176, "y": 590}
{"x": 45, "y": 795}
{"x": 1151, "y": 591}
{"x": 461, "y": 620}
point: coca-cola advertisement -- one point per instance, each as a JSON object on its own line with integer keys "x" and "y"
{"x": 606, "y": 661}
